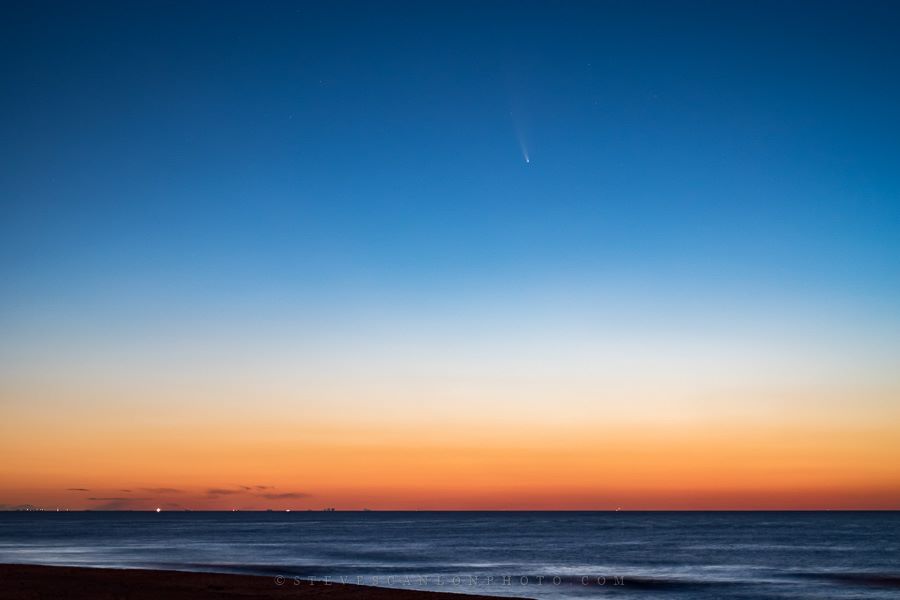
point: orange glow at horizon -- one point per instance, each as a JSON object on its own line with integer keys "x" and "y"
{"x": 724, "y": 467}
{"x": 479, "y": 414}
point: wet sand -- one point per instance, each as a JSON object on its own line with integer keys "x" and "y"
{"x": 33, "y": 582}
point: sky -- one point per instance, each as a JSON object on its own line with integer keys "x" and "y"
{"x": 450, "y": 255}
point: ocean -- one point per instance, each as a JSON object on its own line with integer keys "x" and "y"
{"x": 543, "y": 555}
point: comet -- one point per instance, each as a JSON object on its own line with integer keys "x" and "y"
{"x": 522, "y": 146}
{"x": 520, "y": 137}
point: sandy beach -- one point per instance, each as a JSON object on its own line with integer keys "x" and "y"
{"x": 33, "y": 582}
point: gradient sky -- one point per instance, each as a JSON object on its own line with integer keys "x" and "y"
{"x": 293, "y": 256}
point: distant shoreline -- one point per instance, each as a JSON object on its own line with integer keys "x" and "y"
{"x": 23, "y": 581}
{"x": 304, "y": 511}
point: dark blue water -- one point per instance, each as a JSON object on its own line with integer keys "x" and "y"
{"x": 562, "y": 555}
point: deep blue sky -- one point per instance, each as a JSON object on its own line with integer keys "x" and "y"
{"x": 200, "y": 152}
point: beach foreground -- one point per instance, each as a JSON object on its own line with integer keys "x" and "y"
{"x": 32, "y": 582}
